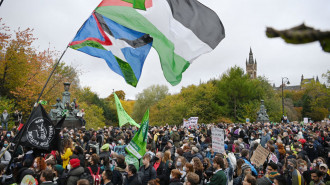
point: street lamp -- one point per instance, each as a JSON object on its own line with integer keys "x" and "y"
{"x": 285, "y": 80}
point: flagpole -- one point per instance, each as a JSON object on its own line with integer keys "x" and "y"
{"x": 42, "y": 91}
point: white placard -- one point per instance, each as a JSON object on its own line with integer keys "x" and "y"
{"x": 305, "y": 120}
{"x": 218, "y": 144}
{"x": 191, "y": 122}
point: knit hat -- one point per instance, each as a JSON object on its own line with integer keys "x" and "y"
{"x": 245, "y": 166}
{"x": 59, "y": 169}
{"x": 75, "y": 163}
{"x": 105, "y": 146}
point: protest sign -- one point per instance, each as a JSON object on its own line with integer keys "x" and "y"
{"x": 191, "y": 122}
{"x": 218, "y": 144}
{"x": 259, "y": 156}
{"x": 305, "y": 120}
{"x": 120, "y": 150}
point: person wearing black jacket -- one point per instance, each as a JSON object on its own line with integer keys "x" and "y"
{"x": 159, "y": 166}
{"x": 147, "y": 170}
{"x": 132, "y": 176}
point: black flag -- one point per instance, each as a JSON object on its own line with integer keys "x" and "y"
{"x": 40, "y": 132}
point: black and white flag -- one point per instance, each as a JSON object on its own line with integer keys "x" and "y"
{"x": 40, "y": 132}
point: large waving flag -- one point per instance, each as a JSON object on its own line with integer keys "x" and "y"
{"x": 123, "y": 117}
{"x": 137, "y": 146}
{"x": 181, "y": 30}
{"x": 124, "y": 49}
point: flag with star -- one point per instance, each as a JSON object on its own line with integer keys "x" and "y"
{"x": 124, "y": 49}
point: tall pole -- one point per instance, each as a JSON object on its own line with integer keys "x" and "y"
{"x": 21, "y": 132}
{"x": 282, "y": 98}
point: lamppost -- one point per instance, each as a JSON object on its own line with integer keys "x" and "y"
{"x": 285, "y": 80}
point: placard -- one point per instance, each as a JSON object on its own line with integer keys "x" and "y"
{"x": 218, "y": 144}
{"x": 259, "y": 156}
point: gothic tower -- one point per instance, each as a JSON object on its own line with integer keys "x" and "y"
{"x": 251, "y": 66}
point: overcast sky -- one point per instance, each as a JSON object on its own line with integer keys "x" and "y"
{"x": 55, "y": 24}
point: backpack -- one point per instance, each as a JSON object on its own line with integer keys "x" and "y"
{"x": 96, "y": 177}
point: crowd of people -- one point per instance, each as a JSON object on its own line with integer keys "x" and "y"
{"x": 298, "y": 155}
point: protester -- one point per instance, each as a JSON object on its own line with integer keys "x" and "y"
{"x": 132, "y": 176}
{"x": 147, "y": 170}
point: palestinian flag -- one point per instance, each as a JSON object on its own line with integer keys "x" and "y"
{"x": 124, "y": 49}
{"x": 181, "y": 30}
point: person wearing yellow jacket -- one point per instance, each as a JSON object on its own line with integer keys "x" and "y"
{"x": 68, "y": 147}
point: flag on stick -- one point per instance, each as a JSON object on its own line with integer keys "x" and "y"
{"x": 137, "y": 146}
{"x": 40, "y": 133}
{"x": 123, "y": 117}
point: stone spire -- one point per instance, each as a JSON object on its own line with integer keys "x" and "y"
{"x": 251, "y": 57}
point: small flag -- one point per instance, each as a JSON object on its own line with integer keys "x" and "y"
{"x": 123, "y": 117}
{"x": 137, "y": 146}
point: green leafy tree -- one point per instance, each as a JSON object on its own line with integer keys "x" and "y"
{"x": 147, "y": 98}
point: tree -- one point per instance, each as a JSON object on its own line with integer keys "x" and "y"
{"x": 147, "y": 98}
{"x": 302, "y": 34}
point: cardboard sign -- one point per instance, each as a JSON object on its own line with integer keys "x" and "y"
{"x": 259, "y": 156}
{"x": 218, "y": 144}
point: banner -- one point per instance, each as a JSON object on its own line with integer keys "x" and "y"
{"x": 218, "y": 137}
{"x": 123, "y": 117}
{"x": 259, "y": 156}
{"x": 137, "y": 146}
{"x": 40, "y": 132}
{"x": 191, "y": 122}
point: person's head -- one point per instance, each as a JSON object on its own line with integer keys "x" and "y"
{"x": 192, "y": 179}
{"x": 245, "y": 153}
{"x": 180, "y": 162}
{"x": 206, "y": 163}
{"x": 302, "y": 165}
{"x": 175, "y": 174}
{"x": 167, "y": 156}
{"x": 159, "y": 156}
{"x": 170, "y": 143}
{"x": 271, "y": 168}
{"x": 46, "y": 175}
{"x": 292, "y": 164}
{"x": 39, "y": 163}
{"x": 218, "y": 163}
{"x": 83, "y": 182}
{"x": 323, "y": 168}
{"x": 154, "y": 182}
{"x": 196, "y": 162}
{"x": 74, "y": 163}
{"x": 194, "y": 150}
{"x": 130, "y": 169}
{"x": 94, "y": 159}
{"x": 67, "y": 143}
{"x": 107, "y": 175}
{"x": 189, "y": 168}
{"x": 280, "y": 180}
{"x": 249, "y": 180}
{"x": 316, "y": 175}
{"x": 246, "y": 169}
{"x": 146, "y": 159}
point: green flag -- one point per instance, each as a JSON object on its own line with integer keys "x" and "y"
{"x": 123, "y": 117}
{"x": 137, "y": 146}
